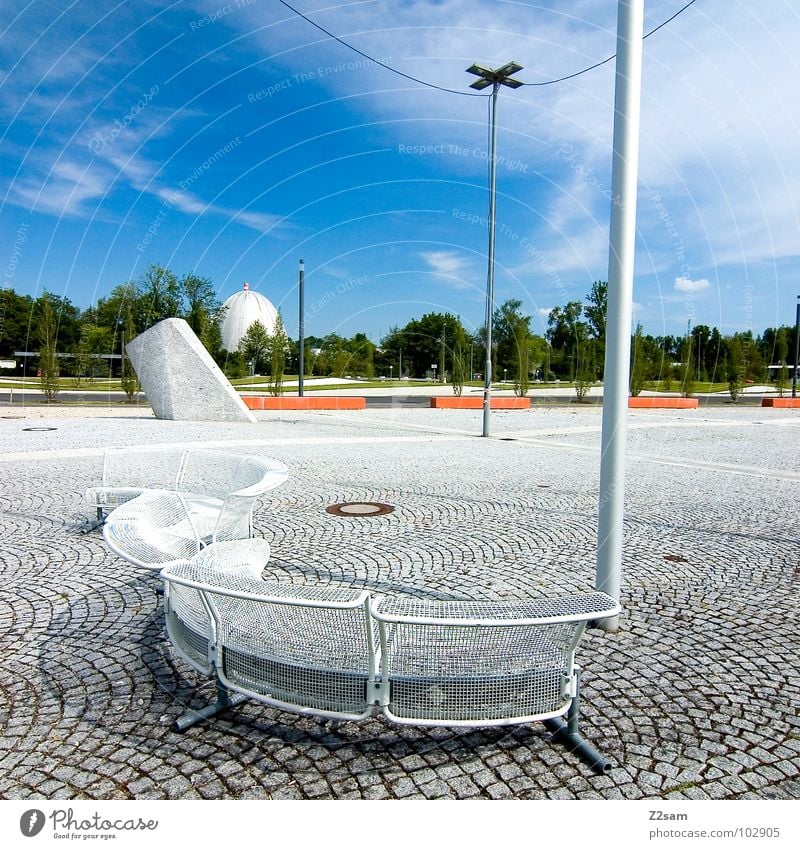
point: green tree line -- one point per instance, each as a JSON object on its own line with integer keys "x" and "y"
{"x": 436, "y": 345}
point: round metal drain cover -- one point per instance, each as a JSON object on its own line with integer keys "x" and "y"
{"x": 39, "y": 428}
{"x": 360, "y": 509}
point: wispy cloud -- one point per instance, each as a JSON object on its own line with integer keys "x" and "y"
{"x": 684, "y": 284}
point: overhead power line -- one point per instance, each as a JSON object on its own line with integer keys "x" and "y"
{"x": 614, "y": 56}
{"x": 471, "y": 93}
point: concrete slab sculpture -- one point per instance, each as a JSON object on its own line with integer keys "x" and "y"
{"x": 181, "y": 380}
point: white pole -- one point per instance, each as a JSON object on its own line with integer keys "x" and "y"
{"x": 624, "y": 171}
{"x": 301, "y": 331}
{"x": 487, "y": 377}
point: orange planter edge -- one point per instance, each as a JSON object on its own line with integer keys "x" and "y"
{"x": 328, "y": 402}
{"x": 663, "y": 403}
{"x": 780, "y": 402}
{"x": 456, "y": 403}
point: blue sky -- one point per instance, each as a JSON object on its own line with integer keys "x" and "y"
{"x": 232, "y": 139}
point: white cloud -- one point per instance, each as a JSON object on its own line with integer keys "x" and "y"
{"x": 444, "y": 262}
{"x": 63, "y": 191}
{"x": 684, "y": 284}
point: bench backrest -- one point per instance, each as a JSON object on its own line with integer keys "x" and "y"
{"x": 482, "y": 662}
{"x": 190, "y": 623}
{"x": 305, "y": 649}
{"x": 144, "y": 467}
{"x": 236, "y": 480}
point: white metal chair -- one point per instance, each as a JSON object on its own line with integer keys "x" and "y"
{"x": 216, "y": 495}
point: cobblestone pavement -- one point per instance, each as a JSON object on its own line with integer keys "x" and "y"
{"x": 696, "y": 696}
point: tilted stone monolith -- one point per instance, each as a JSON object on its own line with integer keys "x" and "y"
{"x": 180, "y": 379}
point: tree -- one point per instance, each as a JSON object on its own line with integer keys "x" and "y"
{"x": 781, "y": 354}
{"x": 687, "y": 367}
{"x": 277, "y": 356}
{"x": 421, "y": 342}
{"x": 88, "y": 354}
{"x": 513, "y": 334}
{"x": 701, "y": 339}
{"x": 128, "y": 377}
{"x": 49, "y": 377}
{"x": 255, "y": 346}
{"x": 566, "y": 334}
{"x": 595, "y": 311}
{"x": 458, "y": 369}
{"x": 734, "y": 366}
{"x": 16, "y": 314}
{"x": 160, "y": 294}
{"x": 202, "y": 311}
{"x": 584, "y": 367}
{"x": 640, "y": 365}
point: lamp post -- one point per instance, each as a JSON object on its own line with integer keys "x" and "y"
{"x": 301, "y": 341}
{"x": 796, "y": 347}
{"x": 624, "y": 170}
{"x": 494, "y": 77}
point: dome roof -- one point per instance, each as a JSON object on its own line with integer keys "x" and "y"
{"x": 243, "y": 309}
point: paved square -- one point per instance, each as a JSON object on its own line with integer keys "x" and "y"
{"x": 697, "y": 696}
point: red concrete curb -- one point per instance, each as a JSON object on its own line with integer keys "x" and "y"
{"x": 327, "y": 402}
{"x": 663, "y": 403}
{"x": 780, "y": 402}
{"x": 457, "y": 403}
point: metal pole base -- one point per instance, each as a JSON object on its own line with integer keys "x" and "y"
{"x": 193, "y": 717}
{"x": 577, "y": 745}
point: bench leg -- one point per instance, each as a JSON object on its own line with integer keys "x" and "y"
{"x": 224, "y": 701}
{"x": 93, "y": 524}
{"x": 568, "y": 734}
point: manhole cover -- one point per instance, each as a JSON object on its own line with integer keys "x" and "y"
{"x": 40, "y": 428}
{"x": 360, "y": 508}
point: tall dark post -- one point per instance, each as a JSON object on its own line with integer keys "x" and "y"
{"x": 301, "y": 341}
{"x": 796, "y": 347}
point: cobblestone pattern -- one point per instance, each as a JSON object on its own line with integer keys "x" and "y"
{"x": 697, "y": 696}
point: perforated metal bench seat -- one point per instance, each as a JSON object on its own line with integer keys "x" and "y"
{"x": 338, "y": 652}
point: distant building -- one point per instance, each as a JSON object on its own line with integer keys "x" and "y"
{"x": 243, "y": 309}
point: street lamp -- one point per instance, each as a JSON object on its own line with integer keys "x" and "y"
{"x": 301, "y": 331}
{"x": 796, "y": 346}
{"x": 391, "y": 369}
{"x": 494, "y": 77}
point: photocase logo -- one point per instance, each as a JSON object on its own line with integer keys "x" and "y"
{"x": 31, "y": 822}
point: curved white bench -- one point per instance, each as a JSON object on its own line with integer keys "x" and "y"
{"x": 214, "y": 501}
{"x": 343, "y": 653}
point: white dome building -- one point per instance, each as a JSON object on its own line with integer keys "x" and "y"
{"x": 243, "y": 309}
